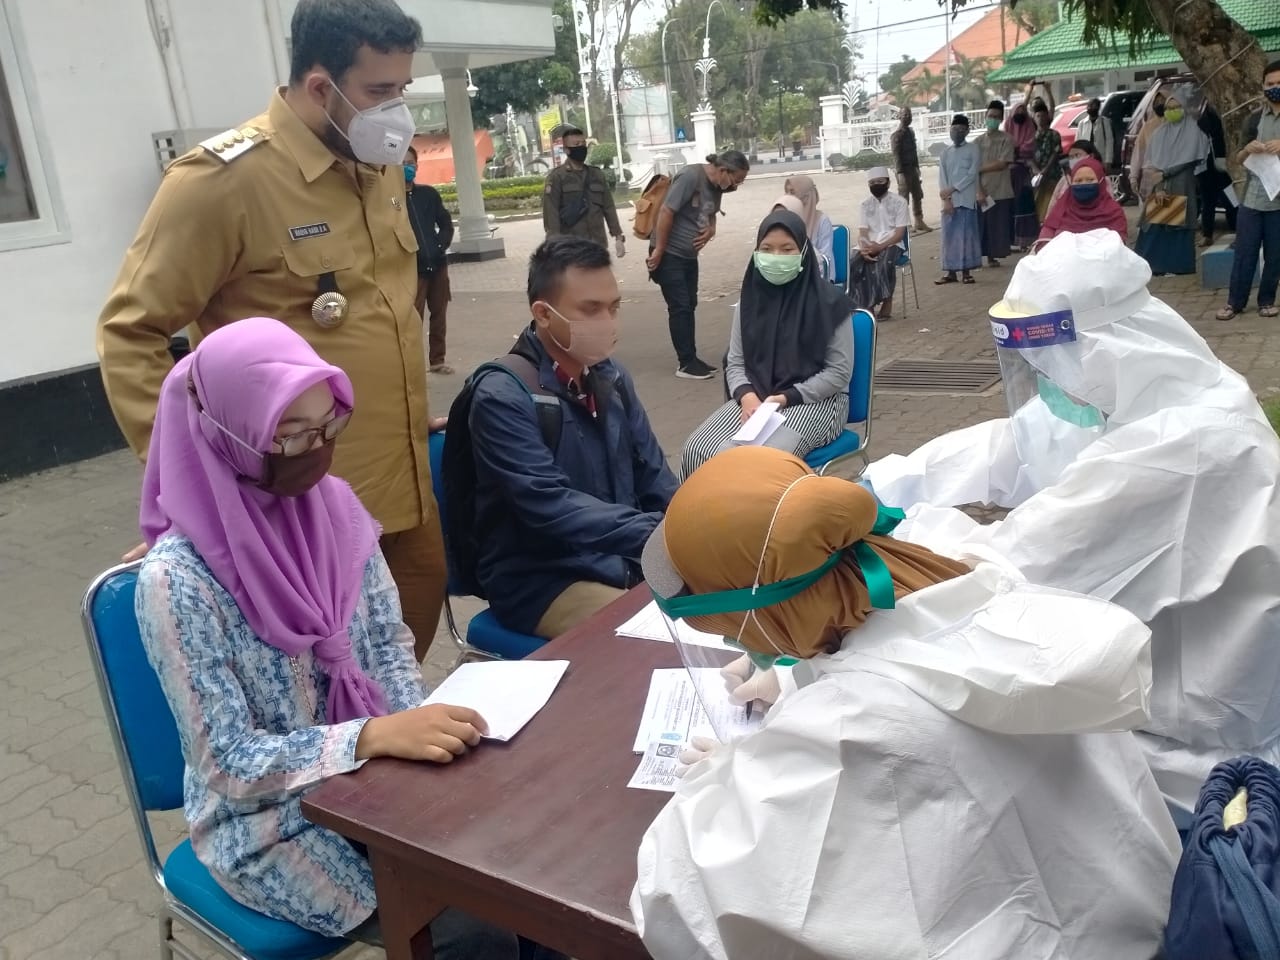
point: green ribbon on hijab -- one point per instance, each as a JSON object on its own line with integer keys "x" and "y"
{"x": 875, "y": 573}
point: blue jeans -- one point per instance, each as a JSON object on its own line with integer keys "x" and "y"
{"x": 1255, "y": 230}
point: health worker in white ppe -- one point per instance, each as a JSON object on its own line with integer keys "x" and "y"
{"x": 1141, "y": 470}
{"x": 944, "y": 773}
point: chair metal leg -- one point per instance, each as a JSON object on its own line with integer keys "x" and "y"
{"x": 914, "y": 289}
{"x": 460, "y": 643}
{"x": 166, "y": 935}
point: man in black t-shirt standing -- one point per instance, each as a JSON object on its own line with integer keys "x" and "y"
{"x": 686, "y": 224}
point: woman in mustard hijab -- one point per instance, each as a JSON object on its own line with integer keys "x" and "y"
{"x": 945, "y": 772}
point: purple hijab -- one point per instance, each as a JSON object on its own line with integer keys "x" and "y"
{"x": 294, "y": 565}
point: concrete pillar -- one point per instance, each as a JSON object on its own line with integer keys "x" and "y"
{"x": 472, "y": 241}
{"x": 704, "y": 132}
{"x": 832, "y": 109}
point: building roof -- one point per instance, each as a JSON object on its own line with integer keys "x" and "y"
{"x": 1061, "y": 51}
{"x": 981, "y": 39}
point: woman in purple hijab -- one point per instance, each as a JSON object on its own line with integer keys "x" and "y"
{"x": 269, "y": 615}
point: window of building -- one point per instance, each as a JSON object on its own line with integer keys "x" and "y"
{"x": 17, "y": 202}
{"x": 28, "y": 206}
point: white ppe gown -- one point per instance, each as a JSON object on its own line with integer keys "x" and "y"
{"x": 945, "y": 786}
{"x": 1174, "y": 513}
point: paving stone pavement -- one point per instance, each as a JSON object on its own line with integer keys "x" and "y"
{"x": 72, "y": 880}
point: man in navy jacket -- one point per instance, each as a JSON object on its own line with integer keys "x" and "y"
{"x": 560, "y": 531}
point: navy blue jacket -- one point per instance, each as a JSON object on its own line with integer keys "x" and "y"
{"x": 546, "y": 519}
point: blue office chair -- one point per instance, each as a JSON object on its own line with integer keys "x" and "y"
{"x": 840, "y": 253}
{"x": 486, "y": 637}
{"x": 146, "y": 742}
{"x": 906, "y": 267}
{"x": 861, "y": 387}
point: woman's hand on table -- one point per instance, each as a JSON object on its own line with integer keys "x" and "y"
{"x": 437, "y": 732}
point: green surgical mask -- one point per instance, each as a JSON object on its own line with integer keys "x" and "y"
{"x": 993, "y": 124}
{"x": 779, "y": 268}
{"x": 1174, "y": 115}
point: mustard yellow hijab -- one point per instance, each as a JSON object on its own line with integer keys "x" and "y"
{"x": 752, "y": 499}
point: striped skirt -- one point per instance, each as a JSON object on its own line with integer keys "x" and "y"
{"x": 808, "y": 426}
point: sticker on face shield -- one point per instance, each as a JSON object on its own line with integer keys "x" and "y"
{"x": 1042, "y": 330}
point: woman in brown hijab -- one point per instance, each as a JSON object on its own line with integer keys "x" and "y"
{"x": 943, "y": 779}
{"x": 754, "y": 515}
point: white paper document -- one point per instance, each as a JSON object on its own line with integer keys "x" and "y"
{"x": 674, "y": 715}
{"x": 988, "y": 203}
{"x": 1266, "y": 167}
{"x": 1229, "y": 191}
{"x": 673, "y": 712}
{"x": 760, "y": 425}
{"x": 649, "y": 624}
{"x": 657, "y": 770}
{"x": 507, "y": 693}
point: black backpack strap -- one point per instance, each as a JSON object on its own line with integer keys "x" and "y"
{"x": 546, "y": 405}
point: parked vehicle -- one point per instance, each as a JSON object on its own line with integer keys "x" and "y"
{"x": 1066, "y": 117}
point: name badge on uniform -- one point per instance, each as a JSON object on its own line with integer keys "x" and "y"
{"x": 309, "y": 230}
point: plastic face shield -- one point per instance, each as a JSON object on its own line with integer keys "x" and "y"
{"x": 1051, "y": 425}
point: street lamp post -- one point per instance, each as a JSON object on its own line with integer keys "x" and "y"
{"x": 782, "y": 135}
{"x": 666, "y": 76}
{"x": 617, "y": 129}
{"x": 707, "y": 63}
{"x": 583, "y": 71}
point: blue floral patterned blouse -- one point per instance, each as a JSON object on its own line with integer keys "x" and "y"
{"x": 255, "y": 740}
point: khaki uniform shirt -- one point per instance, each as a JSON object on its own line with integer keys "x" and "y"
{"x": 997, "y": 147}
{"x": 253, "y": 236}
{"x": 563, "y": 189}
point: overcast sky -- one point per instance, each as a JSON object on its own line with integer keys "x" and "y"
{"x": 880, "y": 47}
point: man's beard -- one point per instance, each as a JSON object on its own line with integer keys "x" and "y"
{"x": 331, "y": 137}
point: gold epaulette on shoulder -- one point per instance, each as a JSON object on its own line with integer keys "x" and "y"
{"x": 235, "y": 142}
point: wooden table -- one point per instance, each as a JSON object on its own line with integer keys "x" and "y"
{"x": 539, "y": 835}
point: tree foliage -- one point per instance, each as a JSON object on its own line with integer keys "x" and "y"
{"x": 753, "y": 61}
{"x": 528, "y": 85}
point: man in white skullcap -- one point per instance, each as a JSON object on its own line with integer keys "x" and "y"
{"x": 882, "y": 230}
{"x": 1141, "y": 470}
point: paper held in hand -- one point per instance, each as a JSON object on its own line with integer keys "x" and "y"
{"x": 507, "y": 693}
{"x": 674, "y": 714}
{"x": 1266, "y": 167}
{"x": 760, "y": 425}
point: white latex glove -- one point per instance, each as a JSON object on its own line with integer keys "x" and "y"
{"x": 744, "y": 686}
{"x": 619, "y": 247}
{"x": 699, "y": 748}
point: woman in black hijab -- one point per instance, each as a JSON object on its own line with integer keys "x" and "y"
{"x": 792, "y": 344}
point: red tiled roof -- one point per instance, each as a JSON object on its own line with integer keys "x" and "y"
{"x": 980, "y": 40}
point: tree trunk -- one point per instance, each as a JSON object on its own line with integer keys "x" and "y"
{"x": 1225, "y": 58}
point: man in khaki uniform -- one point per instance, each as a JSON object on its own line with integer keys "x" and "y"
{"x": 577, "y": 201}
{"x": 300, "y": 215}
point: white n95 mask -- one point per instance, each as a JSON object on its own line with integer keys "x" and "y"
{"x": 381, "y": 134}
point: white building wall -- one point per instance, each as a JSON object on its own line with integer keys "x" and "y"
{"x": 97, "y": 87}
{"x": 96, "y": 81}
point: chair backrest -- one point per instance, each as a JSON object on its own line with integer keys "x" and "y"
{"x": 435, "y": 455}
{"x": 862, "y": 381}
{"x": 840, "y": 253}
{"x": 904, "y": 259}
{"x": 138, "y": 715}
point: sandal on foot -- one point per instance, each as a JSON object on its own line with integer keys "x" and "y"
{"x": 443, "y": 368}
{"x": 1271, "y": 310}
{"x": 968, "y": 280}
{"x": 941, "y": 280}
{"x": 1228, "y": 313}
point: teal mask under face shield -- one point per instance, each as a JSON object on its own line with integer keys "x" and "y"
{"x": 1051, "y": 426}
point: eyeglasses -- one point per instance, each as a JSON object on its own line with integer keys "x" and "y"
{"x": 299, "y": 443}
{"x": 295, "y": 444}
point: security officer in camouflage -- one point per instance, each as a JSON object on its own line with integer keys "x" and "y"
{"x": 577, "y": 201}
